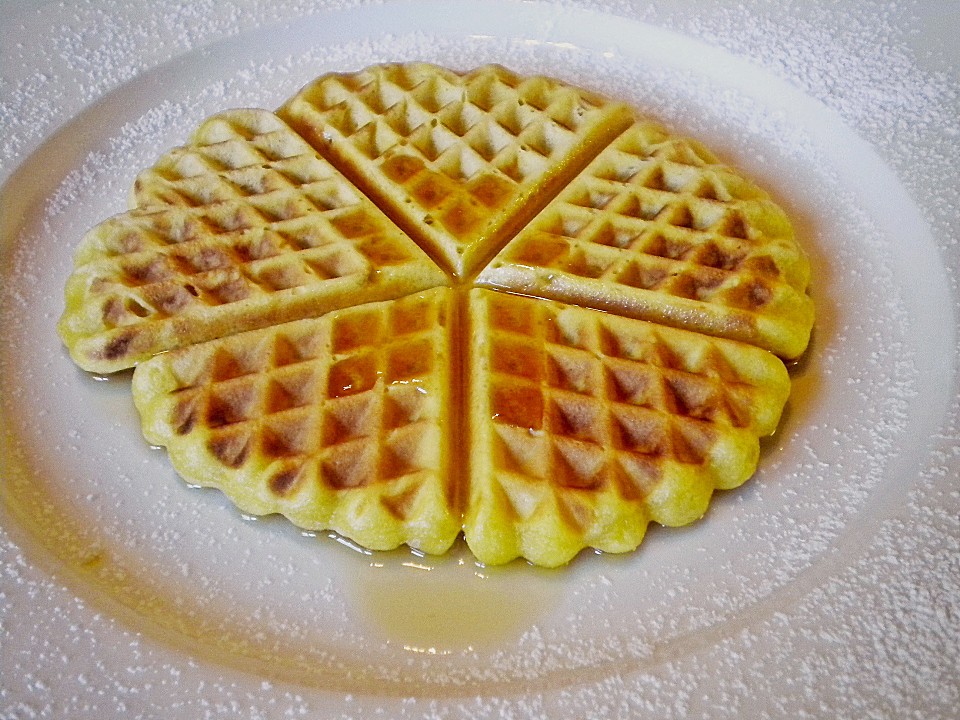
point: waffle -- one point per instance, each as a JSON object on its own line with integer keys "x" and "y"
{"x": 656, "y": 228}
{"x": 338, "y": 422}
{"x": 415, "y": 302}
{"x": 460, "y": 161}
{"x": 586, "y": 426}
{"x": 243, "y": 228}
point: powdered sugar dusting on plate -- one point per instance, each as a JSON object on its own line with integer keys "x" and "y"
{"x": 831, "y": 572}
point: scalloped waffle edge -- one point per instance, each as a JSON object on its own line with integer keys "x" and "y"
{"x": 297, "y": 349}
{"x": 460, "y": 161}
{"x": 586, "y": 426}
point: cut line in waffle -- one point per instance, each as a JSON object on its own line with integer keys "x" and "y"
{"x": 605, "y": 357}
{"x": 244, "y": 227}
{"x": 656, "y": 228}
{"x": 586, "y": 426}
{"x": 339, "y": 422}
{"x": 460, "y": 161}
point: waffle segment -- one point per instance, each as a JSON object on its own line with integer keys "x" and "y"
{"x": 339, "y": 423}
{"x": 461, "y": 161}
{"x": 415, "y": 302}
{"x": 243, "y": 228}
{"x": 586, "y": 426}
{"x": 657, "y": 229}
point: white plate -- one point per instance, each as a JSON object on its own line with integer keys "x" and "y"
{"x": 827, "y": 584}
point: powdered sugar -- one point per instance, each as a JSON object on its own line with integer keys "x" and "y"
{"x": 827, "y": 585}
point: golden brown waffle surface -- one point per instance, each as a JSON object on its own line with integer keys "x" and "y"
{"x": 656, "y": 228}
{"x": 417, "y": 302}
{"x": 460, "y": 160}
{"x": 337, "y": 422}
{"x": 587, "y": 426}
{"x": 244, "y": 227}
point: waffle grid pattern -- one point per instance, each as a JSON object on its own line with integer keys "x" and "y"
{"x": 597, "y": 418}
{"x": 234, "y": 222}
{"x": 461, "y": 149}
{"x": 656, "y": 226}
{"x": 232, "y": 156}
{"x": 409, "y": 411}
{"x": 160, "y": 261}
{"x": 300, "y": 416}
